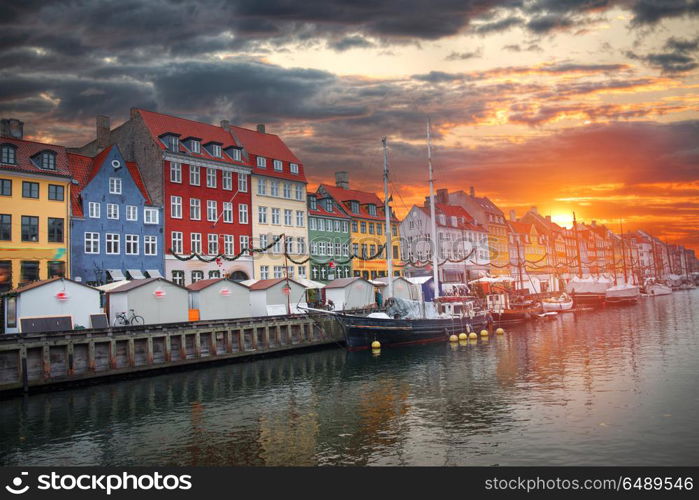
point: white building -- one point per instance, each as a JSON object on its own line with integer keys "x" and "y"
{"x": 156, "y": 300}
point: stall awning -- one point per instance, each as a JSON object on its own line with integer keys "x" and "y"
{"x": 154, "y": 273}
{"x": 136, "y": 274}
{"x": 116, "y": 274}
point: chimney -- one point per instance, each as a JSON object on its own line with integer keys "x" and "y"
{"x": 134, "y": 112}
{"x": 261, "y": 128}
{"x": 442, "y": 196}
{"x": 12, "y": 128}
{"x": 102, "y": 124}
{"x": 534, "y": 210}
{"x": 226, "y": 125}
{"x": 472, "y": 192}
{"x": 342, "y": 179}
{"x": 513, "y": 216}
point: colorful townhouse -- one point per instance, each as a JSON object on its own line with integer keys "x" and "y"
{"x": 279, "y": 212}
{"x": 462, "y": 245}
{"x": 34, "y": 208}
{"x": 488, "y": 215}
{"x": 116, "y": 232}
{"x": 532, "y": 246}
{"x": 556, "y": 261}
{"x": 367, "y": 223}
{"x": 200, "y": 174}
{"x": 329, "y": 237}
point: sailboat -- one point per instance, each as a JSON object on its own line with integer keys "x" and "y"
{"x": 586, "y": 291}
{"x": 411, "y": 322}
{"x": 622, "y": 293}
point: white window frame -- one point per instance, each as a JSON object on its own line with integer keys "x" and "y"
{"x": 211, "y": 210}
{"x": 237, "y": 155}
{"x": 293, "y": 168}
{"x": 243, "y": 213}
{"x": 264, "y": 272}
{"x": 112, "y": 211}
{"x": 274, "y": 188}
{"x": 243, "y": 183}
{"x": 131, "y": 240}
{"x": 194, "y": 175}
{"x": 276, "y": 216}
{"x": 150, "y": 245}
{"x": 261, "y": 215}
{"x": 94, "y": 209}
{"x": 176, "y": 241}
{"x": 288, "y": 217}
{"x": 195, "y": 243}
{"x": 115, "y": 240}
{"x": 286, "y": 190}
{"x": 131, "y": 212}
{"x": 228, "y": 212}
{"x": 299, "y": 192}
{"x": 91, "y": 243}
{"x": 244, "y": 242}
{"x": 211, "y": 178}
{"x": 212, "y": 244}
{"x": 227, "y": 180}
{"x": 300, "y": 218}
{"x": 176, "y": 207}
{"x": 196, "y": 146}
{"x": 176, "y": 172}
{"x": 261, "y": 162}
{"x": 228, "y": 244}
{"x": 278, "y": 165}
{"x": 216, "y": 150}
{"x": 194, "y": 209}
{"x": 151, "y": 216}
{"x": 114, "y": 185}
{"x": 262, "y": 186}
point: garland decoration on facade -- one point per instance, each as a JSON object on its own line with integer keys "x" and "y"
{"x": 224, "y": 256}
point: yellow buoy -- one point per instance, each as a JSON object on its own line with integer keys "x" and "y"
{"x": 500, "y": 331}
{"x": 463, "y": 342}
{"x": 463, "y": 336}
{"x": 375, "y": 352}
{"x": 453, "y": 338}
{"x": 484, "y": 333}
{"x": 376, "y": 344}
{"x": 473, "y": 336}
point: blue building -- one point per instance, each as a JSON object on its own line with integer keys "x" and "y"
{"x": 115, "y": 233}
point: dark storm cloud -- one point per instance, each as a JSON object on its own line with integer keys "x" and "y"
{"x": 677, "y": 58}
{"x": 548, "y": 23}
{"x": 496, "y": 26}
{"x": 653, "y": 11}
{"x": 350, "y": 42}
{"x": 438, "y": 77}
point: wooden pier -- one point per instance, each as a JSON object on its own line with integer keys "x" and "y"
{"x": 37, "y": 360}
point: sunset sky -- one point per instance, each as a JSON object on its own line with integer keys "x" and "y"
{"x": 585, "y": 105}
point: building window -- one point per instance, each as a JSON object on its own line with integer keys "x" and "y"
{"x": 278, "y": 165}
{"x": 8, "y": 154}
{"x": 194, "y": 176}
{"x": 302, "y": 272}
{"x": 150, "y": 215}
{"x": 211, "y": 177}
{"x": 178, "y": 277}
{"x": 275, "y": 216}
{"x": 277, "y": 248}
{"x": 213, "y": 244}
{"x": 299, "y": 192}
{"x": 114, "y": 185}
{"x": 227, "y": 180}
{"x": 379, "y": 229}
{"x": 195, "y": 146}
{"x": 345, "y": 227}
{"x": 287, "y": 217}
{"x": 92, "y": 243}
{"x": 131, "y": 212}
{"x": 394, "y": 230}
{"x": 261, "y": 162}
{"x": 5, "y": 227}
{"x": 176, "y": 207}
{"x": 214, "y": 274}
{"x": 216, "y": 150}
{"x": 112, "y": 211}
{"x": 321, "y": 248}
{"x": 262, "y": 215}
{"x": 354, "y": 226}
{"x": 372, "y": 209}
{"x": 278, "y": 271}
{"x": 301, "y": 244}
{"x": 236, "y": 154}
{"x": 396, "y": 255}
{"x": 176, "y": 242}
{"x": 300, "y": 218}
{"x": 211, "y": 210}
{"x": 321, "y": 224}
{"x": 55, "y": 230}
{"x": 173, "y": 143}
{"x": 131, "y": 244}
{"x": 30, "y": 228}
{"x": 150, "y": 245}
{"x": 112, "y": 243}
{"x": 362, "y": 226}
{"x": 176, "y": 172}
{"x": 56, "y": 269}
{"x": 194, "y": 209}
{"x": 228, "y": 244}
{"x": 371, "y": 228}
{"x": 48, "y": 160}
{"x": 5, "y": 187}
{"x": 56, "y": 193}
{"x": 261, "y": 186}
{"x": 245, "y": 243}
{"x": 29, "y": 271}
{"x": 11, "y": 312}
{"x": 354, "y": 207}
{"x": 227, "y": 212}
{"x": 287, "y": 190}
{"x": 243, "y": 213}
{"x": 197, "y": 276}
{"x": 312, "y": 203}
{"x": 289, "y": 244}
{"x": 274, "y": 188}
{"x": 294, "y": 168}
{"x": 30, "y": 189}
{"x": 195, "y": 243}
{"x": 264, "y": 272}
{"x": 312, "y": 223}
{"x": 93, "y": 210}
{"x": 243, "y": 183}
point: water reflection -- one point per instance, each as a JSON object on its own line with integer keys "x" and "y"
{"x": 617, "y": 386}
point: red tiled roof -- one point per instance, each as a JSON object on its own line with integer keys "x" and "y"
{"x": 320, "y": 210}
{"x": 344, "y": 196}
{"x": 160, "y": 124}
{"x": 27, "y": 149}
{"x": 269, "y": 146}
{"x": 136, "y": 176}
{"x": 454, "y": 211}
{"x": 520, "y": 227}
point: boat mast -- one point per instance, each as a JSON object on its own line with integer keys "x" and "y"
{"x": 623, "y": 251}
{"x": 433, "y": 215}
{"x": 655, "y": 257}
{"x": 387, "y": 211}
{"x": 577, "y": 245}
{"x": 669, "y": 260}
{"x": 614, "y": 263}
{"x": 519, "y": 263}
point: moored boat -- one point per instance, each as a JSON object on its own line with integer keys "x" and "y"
{"x": 588, "y": 291}
{"x": 654, "y": 289}
{"x": 622, "y": 294}
{"x": 562, "y": 302}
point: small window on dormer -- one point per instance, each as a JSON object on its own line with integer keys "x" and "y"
{"x": 293, "y": 168}
{"x": 372, "y": 209}
{"x": 216, "y": 150}
{"x": 312, "y": 202}
{"x": 278, "y": 165}
{"x": 454, "y": 221}
{"x": 329, "y": 205}
{"x": 173, "y": 143}
{"x": 354, "y": 206}
{"x": 8, "y": 154}
{"x": 195, "y": 146}
{"x": 261, "y": 162}
{"x": 236, "y": 155}
{"x": 442, "y": 219}
{"x": 47, "y": 160}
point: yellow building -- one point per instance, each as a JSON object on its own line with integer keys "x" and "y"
{"x": 34, "y": 209}
{"x": 367, "y": 229}
{"x": 533, "y": 260}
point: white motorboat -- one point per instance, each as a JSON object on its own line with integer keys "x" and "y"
{"x": 588, "y": 291}
{"x": 622, "y": 294}
{"x": 658, "y": 289}
{"x": 561, "y": 303}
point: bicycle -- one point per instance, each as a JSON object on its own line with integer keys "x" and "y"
{"x": 134, "y": 319}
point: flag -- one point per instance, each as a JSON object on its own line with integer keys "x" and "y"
{"x": 331, "y": 265}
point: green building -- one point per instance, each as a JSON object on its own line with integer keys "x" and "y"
{"x": 329, "y": 237}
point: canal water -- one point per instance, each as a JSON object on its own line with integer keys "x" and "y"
{"x": 618, "y": 386}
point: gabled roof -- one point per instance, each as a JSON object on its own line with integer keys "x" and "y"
{"x": 201, "y": 284}
{"x": 27, "y": 149}
{"x": 159, "y": 124}
{"x": 450, "y": 211}
{"x": 320, "y": 210}
{"x": 37, "y": 284}
{"x": 138, "y": 283}
{"x": 343, "y": 282}
{"x": 84, "y": 169}
{"x": 345, "y": 196}
{"x": 265, "y": 284}
{"x": 520, "y": 227}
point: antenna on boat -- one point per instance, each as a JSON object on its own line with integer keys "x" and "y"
{"x": 433, "y": 215}
{"x": 387, "y": 211}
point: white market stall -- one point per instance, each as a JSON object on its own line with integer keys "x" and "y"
{"x": 402, "y": 288}
{"x": 155, "y": 299}
{"x": 350, "y": 293}
{"x": 219, "y": 298}
{"x": 56, "y": 297}
{"x": 275, "y": 297}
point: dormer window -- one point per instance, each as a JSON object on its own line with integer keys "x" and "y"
{"x": 261, "y": 162}
{"x": 354, "y": 206}
{"x": 372, "y": 209}
{"x": 47, "y": 160}
{"x": 8, "y": 154}
{"x": 294, "y": 168}
{"x": 235, "y": 153}
{"x": 454, "y": 221}
{"x": 312, "y": 202}
{"x": 278, "y": 165}
{"x": 442, "y": 219}
{"x": 216, "y": 150}
{"x": 195, "y": 146}
{"x": 329, "y": 205}
{"x": 173, "y": 143}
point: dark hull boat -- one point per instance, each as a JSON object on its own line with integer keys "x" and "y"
{"x": 361, "y": 331}
{"x": 588, "y": 299}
